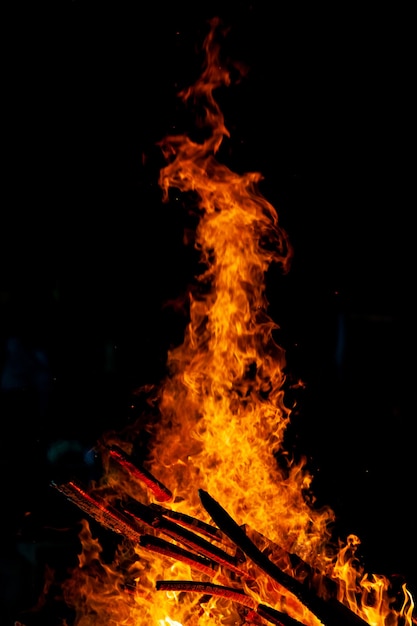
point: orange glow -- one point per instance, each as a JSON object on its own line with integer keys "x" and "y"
{"x": 221, "y": 422}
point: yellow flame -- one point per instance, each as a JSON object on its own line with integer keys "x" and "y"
{"x": 169, "y": 622}
{"x": 222, "y": 412}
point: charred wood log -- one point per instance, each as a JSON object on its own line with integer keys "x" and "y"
{"x": 209, "y": 531}
{"x": 103, "y": 513}
{"x": 331, "y": 612}
{"x": 207, "y": 589}
{"x": 235, "y": 595}
{"x": 129, "y": 523}
{"x": 160, "y": 491}
{"x": 300, "y": 569}
{"x": 145, "y": 514}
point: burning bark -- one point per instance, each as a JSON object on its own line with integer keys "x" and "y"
{"x": 236, "y": 595}
{"x": 211, "y": 561}
{"x": 161, "y": 493}
{"x": 330, "y": 612}
{"x": 99, "y": 510}
{"x": 188, "y": 521}
{"x": 143, "y": 513}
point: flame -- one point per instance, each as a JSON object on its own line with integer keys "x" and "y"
{"x": 221, "y": 421}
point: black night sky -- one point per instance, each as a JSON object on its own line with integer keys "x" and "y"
{"x": 90, "y": 255}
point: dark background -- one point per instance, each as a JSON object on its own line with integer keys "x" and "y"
{"x": 90, "y": 255}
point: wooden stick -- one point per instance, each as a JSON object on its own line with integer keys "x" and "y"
{"x": 212, "y": 532}
{"x": 211, "y": 589}
{"x": 160, "y": 491}
{"x": 144, "y": 513}
{"x": 331, "y": 612}
{"x": 231, "y": 593}
{"x": 101, "y": 512}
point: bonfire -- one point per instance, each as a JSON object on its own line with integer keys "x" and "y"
{"x": 216, "y": 523}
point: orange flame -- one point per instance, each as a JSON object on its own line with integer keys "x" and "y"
{"x": 222, "y": 420}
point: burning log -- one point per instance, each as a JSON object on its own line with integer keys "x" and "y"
{"x": 331, "y": 612}
{"x": 161, "y": 493}
{"x": 126, "y": 524}
{"x": 211, "y": 532}
{"x": 210, "y": 589}
{"x": 235, "y": 595}
{"x": 141, "y": 512}
{"x": 207, "y": 558}
{"x": 101, "y": 512}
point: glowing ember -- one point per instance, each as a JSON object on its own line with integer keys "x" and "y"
{"x": 218, "y": 442}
